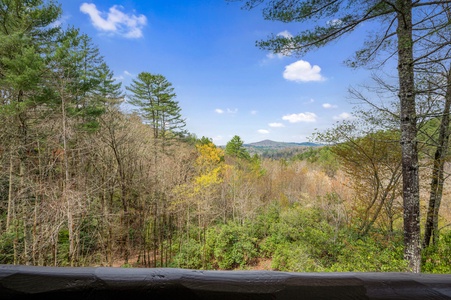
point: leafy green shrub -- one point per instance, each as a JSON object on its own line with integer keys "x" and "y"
{"x": 371, "y": 255}
{"x": 306, "y": 227}
{"x": 294, "y": 257}
{"x": 189, "y": 256}
{"x": 231, "y": 246}
{"x": 63, "y": 247}
{"x": 437, "y": 259}
{"x": 7, "y": 246}
{"x": 268, "y": 216}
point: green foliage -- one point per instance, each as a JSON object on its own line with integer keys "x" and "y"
{"x": 297, "y": 239}
{"x": 371, "y": 255}
{"x": 236, "y": 149}
{"x": 294, "y": 257}
{"x": 322, "y": 156}
{"x": 305, "y": 229}
{"x": 437, "y": 259}
{"x": 82, "y": 81}
{"x": 107, "y": 90}
{"x": 188, "y": 255}
{"x": 231, "y": 246}
{"x": 7, "y": 239}
{"x": 204, "y": 141}
{"x": 63, "y": 247}
{"x": 24, "y": 34}
{"x": 154, "y": 97}
{"x": 89, "y": 235}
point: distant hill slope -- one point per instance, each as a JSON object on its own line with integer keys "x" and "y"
{"x": 272, "y": 149}
{"x": 273, "y": 144}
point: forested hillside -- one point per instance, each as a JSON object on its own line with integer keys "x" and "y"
{"x": 277, "y": 150}
{"x": 83, "y": 183}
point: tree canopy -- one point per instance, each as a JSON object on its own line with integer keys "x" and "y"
{"x": 154, "y": 95}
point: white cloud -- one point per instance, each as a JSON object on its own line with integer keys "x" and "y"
{"x": 124, "y": 74}
{"x": 285, "y": 34}
{"x": 343, "y": 116}
{"x": 263, "y": 131}
{"x": 228, "y": 110}
{"x": 335, "y": 23}
{"x": 276, "y": 125}
{"x": 115, "y": 21}
{"x": 310, "y": 101}
{"x": 328, "y": 106}
{"x": 301, "y": 117}
{"x": 254, "y": 112}
{"x": 275, "y": 55}
{"x": 302, "y": 71}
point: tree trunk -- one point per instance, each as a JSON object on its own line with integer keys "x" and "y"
{"x": 10, "y": 193}
{"x": 431, "y": 227}
{"x": 411, "y": 199}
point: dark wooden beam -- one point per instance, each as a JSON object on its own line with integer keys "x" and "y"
{"x": 25, "y": 282}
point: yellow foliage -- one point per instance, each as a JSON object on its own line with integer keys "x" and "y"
{"x": 209, "y": 155}
{"x": 204, "y": 180}
{"x": 210, "y": 165}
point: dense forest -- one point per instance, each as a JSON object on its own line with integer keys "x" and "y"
{"x": 83, "y": 183}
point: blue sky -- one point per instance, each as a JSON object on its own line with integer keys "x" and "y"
{"x": 225, "y": 85}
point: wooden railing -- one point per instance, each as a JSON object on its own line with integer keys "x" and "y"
{"x": 24, "y": 282}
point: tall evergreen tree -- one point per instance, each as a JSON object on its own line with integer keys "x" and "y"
{"x": 155, "y": 98}
{"x": 25, "y": 30}
{"x": 236, "y": 149}
{"x": 108, "y": 91}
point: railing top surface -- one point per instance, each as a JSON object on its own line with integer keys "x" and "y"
{"x": 26, "y": 282}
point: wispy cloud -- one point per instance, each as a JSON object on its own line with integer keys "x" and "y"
{"x": 62, "y": 20}
{"x": 218, "y": 138}
{"x": 263, "y": 131}
{"x": 115, "y": 21}
{"x": 302, "y": 71}
{"x": 285, "y": 34}
{"x": 301, "y": 117}
{"x": 274, "y": 55}
{"x": 254, "y": 112}
{"x": 329, "y": 106}
{"x": 335, "y": 23}
{"x": 123, "y": 75}
{"x": 343, "y": 116}
{"x": 276, "y": 125}
{"x": 228, "y": 110}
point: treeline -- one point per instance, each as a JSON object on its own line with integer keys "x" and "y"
{"x": 285, "y": 153}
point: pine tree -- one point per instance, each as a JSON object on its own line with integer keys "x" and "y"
{"x": 236, "y": 149}
{"x": 154, "y": 97}
{"x": 108, "y": 91}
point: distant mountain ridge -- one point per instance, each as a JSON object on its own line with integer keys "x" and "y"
{"x": 273, "y": 144}
{"x": 272, "y": 149}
